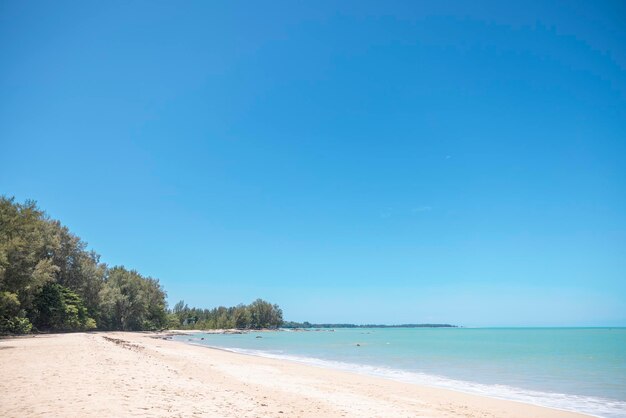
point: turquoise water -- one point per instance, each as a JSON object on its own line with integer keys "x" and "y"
{"x": 580, "y": 369}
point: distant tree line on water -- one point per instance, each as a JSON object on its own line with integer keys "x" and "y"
{"x": 50, "y": 281}
{"x": 306, "y": 325}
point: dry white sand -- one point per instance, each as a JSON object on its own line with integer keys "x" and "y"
{"x": 134, "y": 374}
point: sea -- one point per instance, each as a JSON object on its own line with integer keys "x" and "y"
{"x": 575, "y": 369}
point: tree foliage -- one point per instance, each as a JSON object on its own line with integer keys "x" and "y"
{"x": 259, "y": 314}
{"x": 132, "y": 302}
{"x": 58, "y": 308}
{"x": 49, "y": 280}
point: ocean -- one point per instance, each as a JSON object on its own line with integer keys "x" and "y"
{"x": 577, "y": 369}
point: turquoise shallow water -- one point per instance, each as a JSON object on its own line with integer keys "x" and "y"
{"x": 580, "y": 369}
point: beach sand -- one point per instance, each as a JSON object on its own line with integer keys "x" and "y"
{"x": 134, "y": 374}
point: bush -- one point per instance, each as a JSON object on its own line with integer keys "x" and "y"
{"x": 57, "y": 308}
{"x": 15, "y": 325}
{"x": 90, "y": 324}
{"x": 12, "y": 320}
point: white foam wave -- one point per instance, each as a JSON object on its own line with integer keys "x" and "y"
{"x": 595, "y": 406}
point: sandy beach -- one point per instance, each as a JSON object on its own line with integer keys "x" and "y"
{"x": 135, "y": 374}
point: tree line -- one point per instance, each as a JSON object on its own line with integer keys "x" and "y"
{"x": 306, "y": 324}
{"x": 259, "y": 314}
{"x": 50, "y": 281}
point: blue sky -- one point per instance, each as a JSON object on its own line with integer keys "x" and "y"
{"x": 384, "y": 162}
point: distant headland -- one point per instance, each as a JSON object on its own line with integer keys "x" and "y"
{"x": 305, "y": 324}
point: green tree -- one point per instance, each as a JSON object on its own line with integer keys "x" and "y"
{"x": 35, "y": 251}
{"x": 12, "y": 318}
{"x": 181, "y": 310}
{"x": 57, "y": 308}
{"x": 131, "y": 302}
{"x": 242, "y": 317}
{"x": 265, "y": 315}
{"x": 24, "y": 264}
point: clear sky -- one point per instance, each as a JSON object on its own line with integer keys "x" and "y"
{"x": 384, "y": 162}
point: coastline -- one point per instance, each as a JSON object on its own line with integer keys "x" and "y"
{"x": 122, "y": 374}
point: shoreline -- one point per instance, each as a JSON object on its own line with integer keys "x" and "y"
{"x": 122, "y": 374}
{"x": 595, "y": 406}
{"x": 323, "y": 364}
